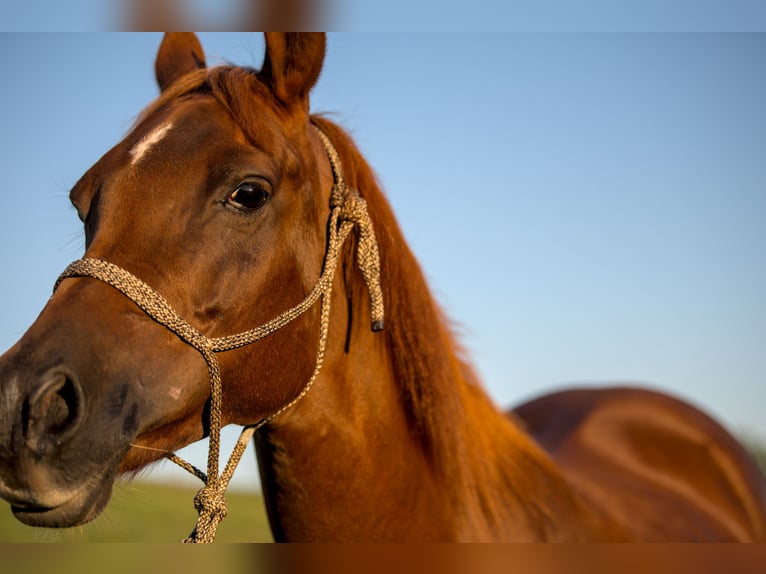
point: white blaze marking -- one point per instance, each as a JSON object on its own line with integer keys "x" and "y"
{"x": 139, "y": 150}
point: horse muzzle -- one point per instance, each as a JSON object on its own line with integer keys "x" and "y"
{"x": 57, "y": 460}
{"x": 76, "y": 392}
{"x": 55, "y": 508}
{"x": 38, "y": 439}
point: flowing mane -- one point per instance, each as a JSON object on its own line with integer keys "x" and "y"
{"x": 426, "y": 360}
{"x": 477, "y": 450}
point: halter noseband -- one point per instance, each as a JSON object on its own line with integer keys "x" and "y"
{"x": 347, "y": 211}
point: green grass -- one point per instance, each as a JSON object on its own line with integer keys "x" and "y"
{"x": 147, "y": 512}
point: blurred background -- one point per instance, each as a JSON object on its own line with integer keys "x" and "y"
{"x": 389, "y": 16}
{"x": 589, "y": 208}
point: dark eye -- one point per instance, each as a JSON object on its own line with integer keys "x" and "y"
{"x": 249, "y": 196}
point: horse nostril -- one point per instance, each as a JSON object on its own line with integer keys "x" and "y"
{"x": 52, "y": 412}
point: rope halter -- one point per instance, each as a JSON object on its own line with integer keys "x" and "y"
{"x": 348, "y": 211}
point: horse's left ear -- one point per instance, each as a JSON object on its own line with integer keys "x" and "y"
{"x": 179, "y": 54}
{"x": 292, "y": 64}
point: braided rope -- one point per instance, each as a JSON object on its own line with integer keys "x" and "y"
{"x": 348, "y": 212}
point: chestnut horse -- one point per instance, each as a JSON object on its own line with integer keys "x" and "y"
{"x": 221, "y": 199}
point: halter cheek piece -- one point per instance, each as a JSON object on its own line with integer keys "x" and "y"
{"x": 347, "y": 211}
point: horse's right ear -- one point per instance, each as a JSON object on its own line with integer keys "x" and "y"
{"x": 179, "y": 54}
{"x": 292, "y": 64}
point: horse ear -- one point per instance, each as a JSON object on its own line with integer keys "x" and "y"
{"x": 179, "y": 54}
{"x": 292, "y": 64}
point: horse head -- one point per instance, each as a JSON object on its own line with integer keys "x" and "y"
{"x": 218, "y": 199}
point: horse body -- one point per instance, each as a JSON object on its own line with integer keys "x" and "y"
{"x": 219, "y": 199}
{"x": 660, "y": 468}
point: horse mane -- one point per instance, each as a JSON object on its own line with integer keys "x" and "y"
{"x": 471, "y": 445}
{"x": 427, "y": 361}
{"x": 477, "y": 450}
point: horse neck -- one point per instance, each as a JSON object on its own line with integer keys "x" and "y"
{"x": 396, "y": 441}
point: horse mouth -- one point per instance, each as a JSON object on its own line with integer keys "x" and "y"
{"x": 83, "y": 507}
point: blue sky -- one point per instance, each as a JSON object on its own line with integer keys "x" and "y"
{"x": 588, "y": 207}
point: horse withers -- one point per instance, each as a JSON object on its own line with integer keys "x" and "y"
{"x": 218, "y": 234}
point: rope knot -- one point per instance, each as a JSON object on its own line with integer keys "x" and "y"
{"x": 354, "y": 208}
{"x": 354, "y": 211}
{"x": 210, "y": 502}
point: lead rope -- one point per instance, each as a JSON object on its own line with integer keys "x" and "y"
{"x": 347, "y": 211}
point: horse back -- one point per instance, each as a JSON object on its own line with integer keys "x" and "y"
{"x": 654, "y": 467}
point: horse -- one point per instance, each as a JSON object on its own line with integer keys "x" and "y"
{"x": 229, "y": 208}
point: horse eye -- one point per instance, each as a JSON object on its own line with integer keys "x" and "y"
{"x": 249, "y": 197}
